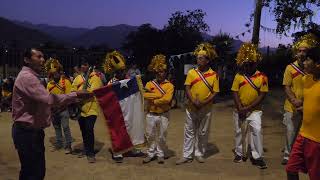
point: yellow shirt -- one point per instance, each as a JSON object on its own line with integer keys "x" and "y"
{"x": 62, "y": 87}
{"x": 293, "y": 79}
{"x": 6, "y": 93}
{"x": 159, "y": 103}
{"x": 311, "y": 109}
{"x": 246, "y": 92}
{"x": 90, "y": 106}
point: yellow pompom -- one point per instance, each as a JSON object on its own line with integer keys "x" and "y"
{"x": 114, "y": 61}
{"x": 158, "y": 63}
{"x": 53, "y": 65}
{"x": 206, "y": 49}
{"x": 307, "y": 41}
{"x": 248, "y": 52}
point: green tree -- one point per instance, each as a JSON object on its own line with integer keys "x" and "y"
{"x": 144, "y": 43}
{"x": 288, "y": 13}
{"x": 184, "y": 31}
{"x": 223, "y": 45}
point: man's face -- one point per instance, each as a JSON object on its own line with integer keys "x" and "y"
{"x": 76, "y": 69}
{"x": 161, "y": 75}
{"x": 56, "y": 76}
{"x": 311, "y": 67}
{"x": 84, "y": 67}
{"x": 202, "y": 60}
{"x": 36, "y": 62}
{"x": 249, "y": 67}
{"x": 302, "y": 51}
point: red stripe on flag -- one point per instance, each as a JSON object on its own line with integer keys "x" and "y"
{"x": 109, "y": 103}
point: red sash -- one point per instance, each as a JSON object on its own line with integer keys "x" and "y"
{"x": 158, "y": 87}
{"x": 299, "y": 71}
{"x": 204, "y": 80}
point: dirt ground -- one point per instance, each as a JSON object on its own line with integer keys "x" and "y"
{"x": 218, "y": 166}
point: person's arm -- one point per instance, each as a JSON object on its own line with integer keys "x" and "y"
{"x": 262, "y": 93}
{"x": 291, "y": 97}
{"x": 209, "y": 99}
{"x": 166, "y": 98}
{"x": 37, "y": 92}
{"x": 287, "y": 83}
{"x": 150, "y": 95}
{"x": 237, "y": 101}
{"x": 235, "y": 89}
{"x": 216, "y": 89}
{"x": 33, "y": 89}
{"x": 194, "y": 100}
{"x": 254, "y": 104}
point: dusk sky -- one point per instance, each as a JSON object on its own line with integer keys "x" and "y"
{"x": 225, "y": 15}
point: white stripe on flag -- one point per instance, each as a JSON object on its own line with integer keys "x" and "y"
{"x": 133, "y": 115}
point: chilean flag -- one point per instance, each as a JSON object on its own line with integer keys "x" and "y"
{"x": 122, "y": 106}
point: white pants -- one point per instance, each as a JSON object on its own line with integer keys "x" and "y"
{"x": 255, "y": 135}
{"x": 292, "y": 128}
{"x": 196, "y": 132}
{"x": 156, "y": 133}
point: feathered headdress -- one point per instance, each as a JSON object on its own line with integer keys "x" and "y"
{"x": 158, "y": 63}
{"x": 52, "y": 65}
{"x": 206, "y": 49}
{"x": 113, "y": 61}
{"x": 306, "y": 41}
{"x": 248, "y": 52}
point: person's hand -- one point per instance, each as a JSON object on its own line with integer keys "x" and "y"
{"x": 147, "y": 90}
{"x": 244, "y": 110}
{"x": 83, "y": 94}
{"x": 197, "y": 102}
{"x": 242, "y": 116}
{"x": 300, "y": 108}
{"x": 297, "y": 102}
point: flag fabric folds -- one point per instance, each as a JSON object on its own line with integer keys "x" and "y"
{"x": 122, "y": 107}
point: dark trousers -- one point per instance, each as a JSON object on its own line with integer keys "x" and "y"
{"x": 30, "y": 146}
{"x": 87, "y": 130}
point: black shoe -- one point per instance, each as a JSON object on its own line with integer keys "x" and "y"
{"x": 118, "y": 159}
{"x": 81, "y": 155}
{"x": 160, "y": 160}
{"x": 148, "y": 159}
{"x": 260, "y": 163}
{"x": 134, "y": 154}
{"x": 237, "y": 159}
{"x": 284, "y": 161}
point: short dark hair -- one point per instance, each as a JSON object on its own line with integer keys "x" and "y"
{"x": 27, "y": 54}
{"x": 314, "y": 54}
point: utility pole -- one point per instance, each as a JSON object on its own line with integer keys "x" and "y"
{"x": 257, "y": 20}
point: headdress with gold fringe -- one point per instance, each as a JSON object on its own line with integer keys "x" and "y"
{"x": 206, "y": 49}
{"x": 307, "y": 41}
{"x": 113, "y": 61}
{"x": 158, "y": 63}
{"x": 52, "y": 65}
{"x": 248, "y": 52}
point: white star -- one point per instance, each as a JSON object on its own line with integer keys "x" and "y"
{"x": 123, "y": 83}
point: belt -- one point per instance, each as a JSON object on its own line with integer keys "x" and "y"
{"x": 157, "y": 114}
